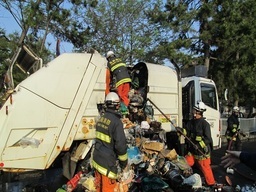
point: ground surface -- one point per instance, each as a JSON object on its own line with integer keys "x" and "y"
{"x": 236, "y": 178}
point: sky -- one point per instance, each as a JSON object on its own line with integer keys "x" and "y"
{"x": 8, "y": 23}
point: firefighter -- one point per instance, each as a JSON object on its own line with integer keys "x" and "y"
{"x": 110, "y": 146}
{"x": 120, "y": 78}
{"x": 232, "y": 132}
{"x": 198, "y": 130}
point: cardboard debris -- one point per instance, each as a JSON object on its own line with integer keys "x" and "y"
{"x": 138, "y": 141}
{"x": 121, "y": 187}
{"x": 169, "y": 154}
{"x": 148, "y": 153}
{"x": 89, "y": 184}
{"x": 152, "y": 145}
{"x": 127, "y": 123}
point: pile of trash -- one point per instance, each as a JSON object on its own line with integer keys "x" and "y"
{"x": 151, "y": 165}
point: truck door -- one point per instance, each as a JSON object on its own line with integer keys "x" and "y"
{"x": 198, "y": 88}
{"x": 188, "y": 98}
{"x": 210, "y": 98}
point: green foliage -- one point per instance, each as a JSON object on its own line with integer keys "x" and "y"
{"x": 62, "y": 19}
{"x": 180, "y": 23}
{"x": 4, "y": 51}
{"x": 234, "y": 36}
{"x": 218, "y": 34}
{"x": 121, "y": 26}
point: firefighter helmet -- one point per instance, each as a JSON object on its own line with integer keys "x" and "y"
{"x": 236, "y": 109}
{"x": 200, "y": 106}
{"x": 110, "y": 54}
{"x": 112, "y": 100}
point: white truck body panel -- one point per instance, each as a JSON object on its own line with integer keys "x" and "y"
{"x": 50, "y": 106}
{"x": 163, "y": 91}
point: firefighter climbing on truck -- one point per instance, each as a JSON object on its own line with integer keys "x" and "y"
{"x": 118, "y": 76}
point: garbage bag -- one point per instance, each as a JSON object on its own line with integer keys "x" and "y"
{"x": 152, "y": 183}
{"x": 183, "y": 165}
{"x": 134, "y": 155}
{"x": 194, "y": 181}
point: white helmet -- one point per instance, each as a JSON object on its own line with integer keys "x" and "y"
{"x": 112, "y": 99}
{"x": 236, "y": 109}
{"x": 110, "y": 54}
{"x": 200, "y": 106}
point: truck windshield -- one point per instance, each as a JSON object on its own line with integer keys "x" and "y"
{"x": 209, "y": 95}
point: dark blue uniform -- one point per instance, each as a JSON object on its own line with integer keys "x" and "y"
{"x": 110, "y": 144}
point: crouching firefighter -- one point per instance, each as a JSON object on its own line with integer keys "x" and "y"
{"x": 199, "y": 150}
{"x": 110, "y": 146}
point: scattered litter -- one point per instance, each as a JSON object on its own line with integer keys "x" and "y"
{"x": 27, "y": 141}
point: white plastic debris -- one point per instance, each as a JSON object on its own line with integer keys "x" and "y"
{"x": 230, "y": 170}
{"x": 27, "y": 141}
{"x": 194, "y": 180}
{"x": 144, "y": 125}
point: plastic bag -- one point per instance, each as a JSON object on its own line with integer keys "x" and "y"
{"x": 134, "y": 155}
{"x": 27, "y": 141}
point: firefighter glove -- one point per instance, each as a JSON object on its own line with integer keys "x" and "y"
{"x": 202, "y": 144}
{"x": 206, "y": 149}
{"x": 181, "y": 130}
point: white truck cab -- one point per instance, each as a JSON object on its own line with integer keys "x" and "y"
{"x": 202, "y": 89}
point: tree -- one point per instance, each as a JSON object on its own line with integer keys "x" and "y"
{"x": 218, "y": 34}
{"x": 8, "y": 46}
{"x": 4, "y": 50}
{"x": 121, "y": 26}
{"x": 63, "y": 19}
{"x": 186, "y": 25}
{"x": 38, "y": 19}
{"x": 234, "y": 35}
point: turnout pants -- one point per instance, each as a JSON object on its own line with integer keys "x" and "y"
{"x": 204, "y": 165}
{"x": 123, "y": 91}
{"x": 103, "y": 183}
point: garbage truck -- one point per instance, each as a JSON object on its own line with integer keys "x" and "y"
{"x": 53, "y": 111}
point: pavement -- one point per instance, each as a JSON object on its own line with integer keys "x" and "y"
{"x": 246, "y": 176}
